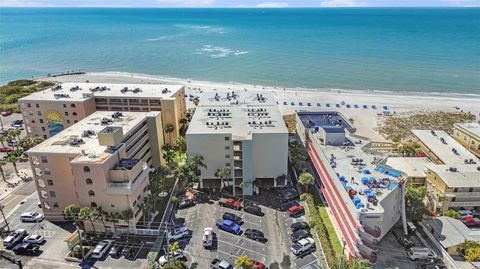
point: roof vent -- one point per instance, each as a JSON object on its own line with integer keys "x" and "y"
{"x": 137, "y": 90}
{"x": 124, "y": 90}
{"x": 106, "y": 121}
{"x": 88, "y": 133}
{"x": 452, "y": 169}
{"x": 117, "y": 115}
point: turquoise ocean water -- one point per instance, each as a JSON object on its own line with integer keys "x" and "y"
{"x": 419, "y": 50}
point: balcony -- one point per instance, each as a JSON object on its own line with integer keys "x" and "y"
{"x": 371, "y": 258}
{"x": 464, "y": 204}
{"x": 128, "y": 188}
{"x": 371, "y": 244}
{"x": 462, "y": 194}
{"x": 372, "y": 231}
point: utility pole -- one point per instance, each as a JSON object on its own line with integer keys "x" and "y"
{"x": 3, "y": 215}
{"x": 341, "y": 255}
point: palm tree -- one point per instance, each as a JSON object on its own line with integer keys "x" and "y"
{"x": 14, "y": 133}
{"x": 181, "y": 144}
{"x": 2, "y": 163}
{"x": 3, "y": 138}
{"x": 306, "y": 179}
{"x": 168, "y": 129}
{"x": 85, "y": 214}
{"x": 13, "y": 157}
{"x": 224, "y": 173}
{"x": 71, "y": 212}
{"x": 99, "y": 214}
{"x": 169, "y": 155}
{"x": 196, "y": 100}
{"x": 243, "y": 263}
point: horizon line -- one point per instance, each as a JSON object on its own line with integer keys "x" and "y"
{"x": 242, "y": 7}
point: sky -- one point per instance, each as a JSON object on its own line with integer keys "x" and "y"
{"x": 238, "y": 3}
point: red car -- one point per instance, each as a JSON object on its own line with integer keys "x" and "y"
{"x": 6, "y": 113}
{"x": 295, "y": 211}
{"x": 257, "y": 265}
{"x": 230, "y": 203}
{"x": 6, "y": 149}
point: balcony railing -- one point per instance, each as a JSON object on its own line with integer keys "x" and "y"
{"x": 371, "y": 258}
{"x": 128, "y": 187}
{"x": 462, "y": 204}
{"x": 372, "y": 245}
{"x": 373, "y": 231}
{"x": 462, "y": 194}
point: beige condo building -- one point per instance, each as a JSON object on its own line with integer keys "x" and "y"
{"x": 468, "y": 134}
{"x": 102, "y": 161}
{"x": 50, "y": 111}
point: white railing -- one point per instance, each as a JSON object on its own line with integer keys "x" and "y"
{"x": 459, "y": 204}
{"x": 462, "y": 194}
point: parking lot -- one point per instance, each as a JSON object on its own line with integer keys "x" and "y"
{"x": 274, "y": 253}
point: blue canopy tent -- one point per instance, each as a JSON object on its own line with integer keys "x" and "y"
{"x": 309, "y": 104}
{"x": 365, "y": 106}
{"x": 300, "y": 103}
{"x": 360, "y": 205}
{"x": 356, "y": 200}
{"x": 292, "y": 103}
{"x": 318, "y": 104}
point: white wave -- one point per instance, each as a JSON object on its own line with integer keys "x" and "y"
{"x": 240, "y": 52}
{"x": 161, "y": 38}
{"x": 218, "y": 52}
{"x": 209, "y": 29}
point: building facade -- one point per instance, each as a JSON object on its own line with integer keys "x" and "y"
{"x": 50, "y": 111}
{"x": 468, "y": 134}
{"x": 102, "y": 161}
{"x": 244, "y": 131}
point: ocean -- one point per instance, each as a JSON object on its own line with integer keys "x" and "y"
{"x": 428, "y": 50}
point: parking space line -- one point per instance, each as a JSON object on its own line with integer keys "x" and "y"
{"x": 252, "y": 223}
{"x": 308, "y": 264}
{"x": 252, "y": 251}
{"x": 229, "y": 254}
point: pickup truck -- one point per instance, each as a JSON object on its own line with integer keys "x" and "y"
{"x": 219, "y": 264}
{"x": 228, "y": 226}
{"x": 230, "y": 203}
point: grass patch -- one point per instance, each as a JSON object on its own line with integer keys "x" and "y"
{"x": 332, "y": 235}
{"x": 14, "y": 90}
{"x": 291, "y": 122}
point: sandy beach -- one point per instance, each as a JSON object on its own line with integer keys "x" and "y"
{"x": 365, "y": 119}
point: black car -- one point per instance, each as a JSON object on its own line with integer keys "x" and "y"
{"x": 126, "y": 250}
{"x": 403, "y": 240}
{"x": 186, "y": 203}
{"x": 116, "y": 251}
{"x": 253, "y": 209}
{"x": 230, "y": 216}
{"x": 301, "y": 225}
{"x": 26, "y": 249}
{"x": 299, "y": 234}
{"x": 289, "y": 195}
{"x": 254, "y": 234}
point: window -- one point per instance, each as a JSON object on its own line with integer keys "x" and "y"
{"x": 93, "y": 204}
{"x": 112, "y": 205}
{"x": 91, "y": 193}
{"x": 40, "y": 120}
{"x": 227, "y": 147}
{"x": 75, "y": 121}
{"x": 74, "y": 113}
{"x": 89, "y": 181}
{"x": 50, "y": 182}
{"x": 455, "y": 190}
{"x": 45, "y": 136}
{"x": 227, "y": 164}
{"x": 33, "y": 121}
{"x": 86, "y": 169}
{"x": 453, "y": 199}
{"x": 43, "y": 129}
{"x": 44, "y": 159}
{"x": 39, "y": 113}
{"x": 227, "y": 156}
{"x": 72, "y": 105}
{"x": 37, "y": 105}
{"x": 29, "y": 105}
{"x": 55, "y": 204}
{"x": 47, "y": 171}
{"x": 227, "y": 138}
{"x": 68, "y": 121}
{"x": 470, "y": 189}
{"x": 53, "y": 194}
{"x": 64, "y": 105}
{"x": 66, "y": 113}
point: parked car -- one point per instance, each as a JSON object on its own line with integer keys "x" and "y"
{"x": 6, "y": 149}
{"x": 3, "y": 132}
{"x": 186, "y": 203}
{"x": 14, "y": 237}
{"x": 207, "y": 237}
{"x": 230, "y": 216}
{"x": 220, "y": 264}
{"x": 176, "y": 255}
{"x": 301, "y": 225}
{"x": 303, "y": 246}
{"x": 299, "y": 234}
{"x": 34, "y": 239}
{"x": 101, "y": 249}
{"x": 254, "y": 234}
{"x": 411, "y": 227}
{"x": 177, "y": 233}
{"x": 126, "y": 251}
{"x": 31, "y": 217}
{"x": 417, "y": 253}
{"x": 228, "y": 226}
{"x": 465, "y": 213}
{"x": 6, "y": 113}
{"x": 116, "y": 251}
{"x": 403, "y": 240}
{"x": 26, "y": 249}
{"x": 230, "y": 203}
{"x": 253, "y": 209}
{"x": 257, "y": 264}
{"x": 288, "y": 195}
{"x": 295, "y": 211}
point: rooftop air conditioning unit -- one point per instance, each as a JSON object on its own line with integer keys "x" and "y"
{"x": 452, "y": 169}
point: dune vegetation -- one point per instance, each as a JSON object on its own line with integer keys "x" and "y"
{"x": 14, "y": 90}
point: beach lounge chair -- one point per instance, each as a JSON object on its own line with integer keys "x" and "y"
{"x": 292, "y": 103}
{"x": 309, "y": 104}
{"x": 300, "y": 103}
{"x": 327, "y": 105}
{"x": 365, "y": 106}
{"x": 337, "y": 105}
{"x": 284, "y": 103}
{"x": 318, "y": 104}
{"x": 385, "y": 107}
{"x": 349, "y": 106}
{"x": 355, "y": 106}
{"x": 374, "y": 106}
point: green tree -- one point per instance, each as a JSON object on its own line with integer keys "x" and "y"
{"x": 472, "y": 254}
{"x": 243, "y": 263}
{"x": 14, "y": 134}
{"x": 196, "y": 100}
{"x": 467, "y": 244}
{"x": 2, "y": 163}
{"x": 168, "y": 129}
{"x": 13, "y": 157}
{"x": 224, "y": 173}
{"x": 71, "y": 212}
{"x": 169, "y": 155}
{"x": 451, "y": 213}
{"x": 181, "y": 144}
{"x": 97, "y": 215}
{"x": 306, "y": 180}
{"x": 127, "y": 215}
{"x": 415, "y": 207}
{"x": 85, "y": 214}
{"x": 190, "y": 171}
{"x": 298, "y": 156}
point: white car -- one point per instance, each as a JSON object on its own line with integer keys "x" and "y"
{"x": 177, "y": 255}
{"x": 14, "y": 238}
{"x": 303, "y": 245}
{"x": 177, "y": 233}
{"x": 34, "y": 239}
{"x": 101, "y": 249}
{"x": 207, "y": 237}
{"x": 418, "y": 253}
{"x": 31, "y": 217}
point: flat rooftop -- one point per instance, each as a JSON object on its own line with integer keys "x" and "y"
{"x": 412, "y": 166}
{"x": 82, "y": 136}
{"x": 453, "y": 231}
{"x": 447, "y": 149}
{"x": 240, "y": 114}
{"x": 83, "y": 91}
{"x": 360, "y": 173}
{"x": 462, "y": 176}
{"x": 472, "y": 127}
{"x": 330, "y": 121}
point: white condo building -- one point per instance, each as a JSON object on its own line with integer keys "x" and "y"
{"x": 244, "y": 131}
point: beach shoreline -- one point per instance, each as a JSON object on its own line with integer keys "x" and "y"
{"x": 365, "y": 119}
